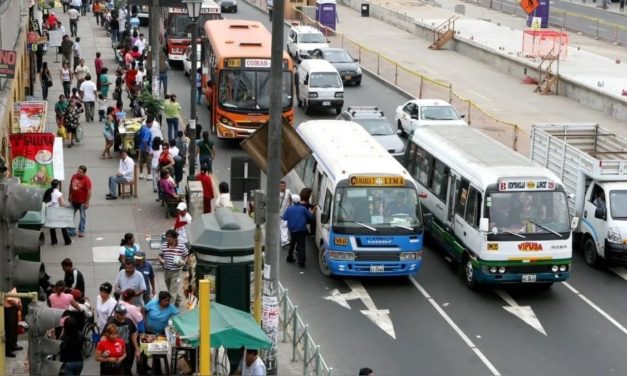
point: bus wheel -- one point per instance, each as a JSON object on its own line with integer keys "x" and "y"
{"x": 322, "y": 261}
{"x": 468, "y": 271}
{"x": 590, "y": 254}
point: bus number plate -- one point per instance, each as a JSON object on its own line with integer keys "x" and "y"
{"x": 377, "y": 269}
{"x": 326, "y": 103}
{"x": 528, "y": 277}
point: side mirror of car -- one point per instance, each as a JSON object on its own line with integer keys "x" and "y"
{"x": 574, "y": 223}
{"x": 599, "y": 213}
{"x": 415, "y": 117}
{"x": 399, "y": 132}
{"x": 356, "y": 60}
{"x": 463, "y": 116}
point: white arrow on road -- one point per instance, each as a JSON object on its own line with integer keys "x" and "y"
{"x": 525, "y": 313}
{"x": 379, "y": 317}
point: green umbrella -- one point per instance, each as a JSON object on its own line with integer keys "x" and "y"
{"x": 230, "y": 328}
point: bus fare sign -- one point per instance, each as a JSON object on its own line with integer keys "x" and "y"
{"x": 377, "y": 181}
{"x": 526, "y": 185}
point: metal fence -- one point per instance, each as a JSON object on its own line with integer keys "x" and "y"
{"x": 304, "y": 349}
{"x": 421, "y": 86}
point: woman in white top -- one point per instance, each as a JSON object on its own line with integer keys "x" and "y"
{"x": 224, "y": 199}
{"x": 155, "y": 150}
{"x": 66, "y": 79}
{"x": 104, "y": 305}
{"x": 54, "y": 198}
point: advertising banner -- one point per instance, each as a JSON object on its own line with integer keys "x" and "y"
{"x": 31, "y": 155}
{"x": 29, "y": 117}
{"x": 8, "y": 59}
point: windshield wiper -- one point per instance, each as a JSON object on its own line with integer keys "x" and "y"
{"x": 547, "y": 229}
{"x": 363, "y": 225}
{"x": 511, "y": 233}
{"x": 401, "y": 226}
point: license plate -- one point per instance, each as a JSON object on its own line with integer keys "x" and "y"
{"x": 528, "y": 278}
{"x": 326, "y": 103}
{"x": 377, "y": 269}
{"x": 348, "y": 77}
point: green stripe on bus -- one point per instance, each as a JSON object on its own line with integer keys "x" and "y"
{"x": 450, "y": 241}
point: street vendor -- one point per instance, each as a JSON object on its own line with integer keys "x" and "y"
{"x": 158, "y": 312}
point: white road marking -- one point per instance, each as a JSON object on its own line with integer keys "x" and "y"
{"x": 596, "y": 307}
{"x": 525, "y": 313}
{"x": 379, "y": 317}
{"x": 620, "y": 271}
{"x": 456, "y": 328}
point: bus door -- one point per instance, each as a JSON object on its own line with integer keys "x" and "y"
{"x": 467, "y": 214}
{"x": 453, "y": 187}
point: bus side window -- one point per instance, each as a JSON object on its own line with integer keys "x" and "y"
{"x": 462, "y": 197}
{"x": 426, "y": 169}
{"x": 472, "y": 207}
{"x": 327, "y": 203}
{"x": 410, "y": 157}
{"x": 300, "y": 169}
{"x": 322, "y": 182}
{"x": 317, "y": 187}
{"x": 310, "y": 166}
{"x": 439, "y": 181}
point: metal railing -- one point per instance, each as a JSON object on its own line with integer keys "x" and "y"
{"x": 421, "y": 86}
{"x": 303, "y": 346}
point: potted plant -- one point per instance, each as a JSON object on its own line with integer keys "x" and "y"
{"x": 153, "y": 105}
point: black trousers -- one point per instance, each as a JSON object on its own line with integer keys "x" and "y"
{"x": 10, "y": 329}
{"x": 297, "y": 240}
{"x": 53, "y": 236}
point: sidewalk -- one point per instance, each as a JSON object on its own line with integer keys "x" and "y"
{"x": 95, "y": 255}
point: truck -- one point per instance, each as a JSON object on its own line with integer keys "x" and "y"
{"x": 591, "y": 162}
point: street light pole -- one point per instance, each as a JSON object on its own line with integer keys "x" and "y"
{"x": 272, "y": 254}
{"x": 193, "y": 11}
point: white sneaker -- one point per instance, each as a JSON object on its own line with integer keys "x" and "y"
{"x": 141, "y": 176}
{"x": 149, "y": 177}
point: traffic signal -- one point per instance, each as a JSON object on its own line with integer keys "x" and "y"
{"x": 15, "y": 200}
{"x": 40, "y": 348}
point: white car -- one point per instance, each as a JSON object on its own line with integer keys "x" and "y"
{"x": 187, "y": 63}
{"x": 421, "y": 112}
{"x": 302, "y": 40}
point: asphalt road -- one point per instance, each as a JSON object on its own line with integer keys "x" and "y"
{"x": 566, "y": 14}
{"x": 441, "y": 327}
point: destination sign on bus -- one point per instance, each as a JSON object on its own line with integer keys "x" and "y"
{"x": 203, "y": 10}
{"x": 377, "y": 181}
{"x": 257, "y": 63}
{"x": 526, "y": 185}
{"x": 251, "y": 63}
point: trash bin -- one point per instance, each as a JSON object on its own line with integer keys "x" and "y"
{"x": 222, "y": 242}
{"x": 365, "y": 10}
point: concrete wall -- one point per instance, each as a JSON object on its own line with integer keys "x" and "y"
{"x": 583, "y": 94}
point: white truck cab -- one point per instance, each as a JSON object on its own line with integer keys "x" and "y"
{"x": 302, "y": 40}
{"x": 319, "y": 86}
{"x": 591, "y": 162}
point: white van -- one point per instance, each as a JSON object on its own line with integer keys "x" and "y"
{"x": 319, "y": 86}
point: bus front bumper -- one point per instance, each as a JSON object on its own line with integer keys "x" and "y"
{"x": 176, "y": 57}
{"x": 517, "y": 278}
{"x": 373, "y": 268}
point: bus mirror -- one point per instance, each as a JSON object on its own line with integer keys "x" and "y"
{"x": 324, "y": 218}
{"x": 574, "y": 223}
{"x": 484, "y": 224}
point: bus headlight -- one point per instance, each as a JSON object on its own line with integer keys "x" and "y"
{"x": 343, "y": 256}
{"x": 226, "y": 121}
{"x": 613, "y": 235}
{"x": 563, "y": 268}
{"x": 339, "y": 94}
{"x": 555, "y": 268}
{"x": 501, "y": 270}
{"x": 493, "y": 269}
{"x": 405, "y": 256}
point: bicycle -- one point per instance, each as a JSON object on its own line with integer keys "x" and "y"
{"x": 91, "y": 335}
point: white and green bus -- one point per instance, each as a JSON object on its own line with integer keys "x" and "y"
{"x": 503, "y": 218}
{"x": 368, "y": 221}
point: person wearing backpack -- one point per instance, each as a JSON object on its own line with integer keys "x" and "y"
{"x": 206, "y": 151}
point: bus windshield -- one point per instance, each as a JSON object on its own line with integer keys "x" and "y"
{"x": 180, "y": 25}
{"x": 250, "y": 90}
{"x": 528, "y": 212}
{"x": 377, "y": 208}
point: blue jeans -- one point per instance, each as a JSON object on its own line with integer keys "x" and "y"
{"x": 199, "y": 95}
{"x": 115, "y": 35}
{"x": 82, "y": 216}
{"x": 113, "y": 184}
{"x": 72, "y": 368}
{"x": 163, "y": 82}
{"x": 173, "y": 127}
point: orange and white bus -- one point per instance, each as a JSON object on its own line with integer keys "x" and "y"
{"x": 237, "y": 55}
{"x": 176, "y": 28}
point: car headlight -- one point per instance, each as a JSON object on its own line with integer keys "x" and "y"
{"x": 358, "y": 70}
{"x": 613, "y": 235}
{"x": 303, "y": 52}
{"x": 343, "y": 256}
{"x": 339, "y": 94}
{"x": 313, "y": 95}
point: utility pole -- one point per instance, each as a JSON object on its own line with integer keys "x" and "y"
{"x": 193, "y": 11}
{"x": 272, "y": 251}
{"x": 154, "y": 46}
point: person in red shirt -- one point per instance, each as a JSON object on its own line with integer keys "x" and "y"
{"x": 130, "y": 76}
{"x": 99, "y": 64}
{"x": 207, "y": 188}
{"x": 52, "y": 21}
{"x": 111, "y": 351}
{"x": 80, "y": 194}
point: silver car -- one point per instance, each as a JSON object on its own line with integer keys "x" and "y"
{"x": 378, "y": 126}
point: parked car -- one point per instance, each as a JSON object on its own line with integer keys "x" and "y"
{"x": 228, "y": 6}
{"x": 421, "y": 112}
{"x": 346, "y": 65}
{"x": 375, "y": 122}
{"x": 187, "y": 63}
{"x": 302, "y": 40}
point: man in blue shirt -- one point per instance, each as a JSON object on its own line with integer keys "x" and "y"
{"x": 297, "y": 217}
{"x": 158, "y": 312}
{"x": 145, "y": 268}
{"x": 145, "y": 145}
